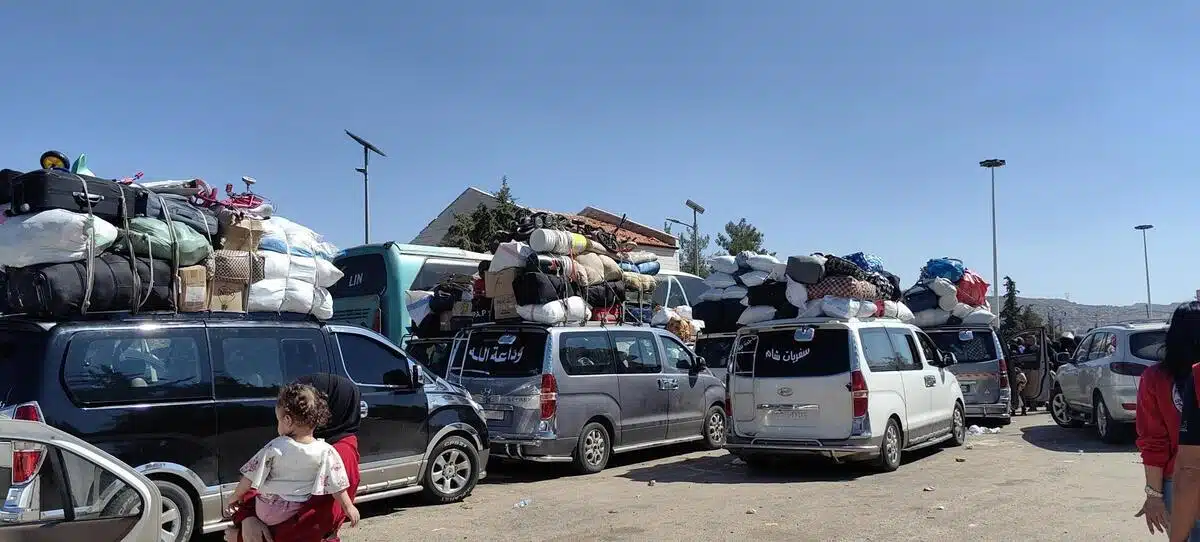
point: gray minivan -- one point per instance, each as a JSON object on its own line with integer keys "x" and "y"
{"x": 581, "y": 394}
{"x": 981, "y": 370}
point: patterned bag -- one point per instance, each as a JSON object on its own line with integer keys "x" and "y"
{"x": 843, "y": 286}
{"x": 841, "y": 267}
{"x": 236, "y": 267}
{"x": 868, "y": 262}
{"x": 883, "y": 286}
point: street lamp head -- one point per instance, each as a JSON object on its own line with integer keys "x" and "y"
{"x": 695, "y": 206}
{"x": 680, "y": 222}
{"x": 366, "y": 144}
{"x": 1144, "y": 227}
{"x": 992, "y": 163}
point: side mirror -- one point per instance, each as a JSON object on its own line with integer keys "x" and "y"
{"x": 948, "y": 359}
{"x": 701, "y": 364}
{"x": 1063, "y": 357}
{"x": 418, "y": 379}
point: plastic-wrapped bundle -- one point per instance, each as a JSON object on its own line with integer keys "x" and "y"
{"x": 720, "y": 280}
{"x": 571, "y": 310}
{"x": 723, "y": 264}
{"x": 54, "y": 236}
{"x": 762, "y": 262}
{"x": 841, "y": 307}
{"x": 754, "y": 315}
{"x": 283, "y": 295}
{"x": 284, "y": 236}
{"x": 558, "y": 242}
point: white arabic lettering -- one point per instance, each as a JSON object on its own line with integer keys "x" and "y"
{"x": 497, "y": 354}
{"x": 791, "y": 356}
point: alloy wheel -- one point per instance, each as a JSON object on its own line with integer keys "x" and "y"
{"x": 170, "y": 526}
{"x": 891, "y": 445}
{"x": 451, "y": 471}
{"x": 1058, "y": 407}
{"x": 594, "y": 447}
{"x": 716, "y": 428}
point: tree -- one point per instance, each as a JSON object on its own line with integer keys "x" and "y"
{"x": 1030, "y": 319}
{"x": 1010, "y": 314}
{"x": 475, "y": 231}
{"x": 688, "y": 250}
{"x": 740, "y": 237}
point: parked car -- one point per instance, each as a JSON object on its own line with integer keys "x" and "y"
{"x": 188, "y": 399}
{"x": 982, "y": 370}
{"x": 57, "y": 487}
{"x": 581, "y": 394}
{"x": 1098, "y": 384}
{"x": 715, "y": 349}
{"x": 855, "y": 389}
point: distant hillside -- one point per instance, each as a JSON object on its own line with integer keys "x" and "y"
{"x": 1081, "y": 318}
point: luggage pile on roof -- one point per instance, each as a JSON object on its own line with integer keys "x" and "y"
{"x": 73, "y": 244}
{"x": 751, "y": 288}
{"x": 949, "y": 294}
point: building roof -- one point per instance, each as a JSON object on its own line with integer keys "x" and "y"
{"x": 626, "y": 232}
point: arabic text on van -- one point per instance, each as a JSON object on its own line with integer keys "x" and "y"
{"x": 497, "y": 354}
{"x": 787, "y": 356}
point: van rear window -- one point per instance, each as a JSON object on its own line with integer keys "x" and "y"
{"x": 780, "y": 355}
{"x": 505, "y": 354}
{"x": 20, "y": 352}
{"x": 981, "y": 346}
{"x": 365, "y": 275}
{"x": 715, "y": 351}
{"x": 1148, "y": 345}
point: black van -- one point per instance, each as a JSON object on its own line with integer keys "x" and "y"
{"x": 186, "y": 399}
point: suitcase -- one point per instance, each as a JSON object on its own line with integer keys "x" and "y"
{"x": 150, "y": 204}
{"x": 806, "y": 269}
{"x": 45, "y": 189}
{"x": 57, "y": 290}
{"x": 6, "y": 177}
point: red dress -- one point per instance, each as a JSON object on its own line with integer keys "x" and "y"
{"x": 321, "y": 516}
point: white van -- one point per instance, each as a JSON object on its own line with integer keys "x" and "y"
{"x": 843, "y": 388}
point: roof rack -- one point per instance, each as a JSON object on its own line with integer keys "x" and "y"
{"x": 1136, "y": 321}
{"x": 122, "y": 316}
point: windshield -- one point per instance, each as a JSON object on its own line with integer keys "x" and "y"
{"x": 981, "y": 346}
{"x": 715, "y": 351}
{"x": 434, "y": 355}
{"x": 693, "y": 286}
{"x": 365, "y": 275}
{"x": 505, "y": 354}
{"x": 780, "y": 355}
{"x": 1148, "y": 345}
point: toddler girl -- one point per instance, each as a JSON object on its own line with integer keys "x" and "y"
{"x": 294, "y": 466}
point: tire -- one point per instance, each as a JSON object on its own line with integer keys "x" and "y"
{"x": 179, "y": 512}
{"x": 714, "y": 428}
{"x": 1061, "y": 412}
{"x": 889, "y": 449}
{"x": 593, "y": 449}
{"x": 1108, "y": 430}
{"x": 451, "y": 471}
{"x": 958, "y": 427}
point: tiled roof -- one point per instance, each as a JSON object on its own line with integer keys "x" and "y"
{"x": 641, "y": 240}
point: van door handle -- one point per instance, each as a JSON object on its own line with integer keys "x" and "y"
{"x": 672, "y": 384}
{"x": 930, "y": 381}
{"x": 363, "y": 408}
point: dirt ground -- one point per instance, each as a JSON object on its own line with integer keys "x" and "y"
{"x": 1031, "y": 481}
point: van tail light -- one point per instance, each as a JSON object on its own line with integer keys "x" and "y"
{"x": 377, "y": 322}
{"x": 26, "y": 456}
{"x": 1003, "y": 374}
{"x": 858, "y": 393}
{"x": 549, "y": 396}
{"x": 1126, "y": 368}
{"x": 728, "y": 401}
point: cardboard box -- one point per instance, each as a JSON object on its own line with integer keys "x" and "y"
{"x": 224, "y": 296}
{"x": 500, "y": 284}
{"x": 462, "y": 308}
{"x": 240, "y": 232}
{"x": 192, "y": 295}
{"x": 505, "y": 307}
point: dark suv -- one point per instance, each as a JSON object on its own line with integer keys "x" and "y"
{"x": 186, "y": 400}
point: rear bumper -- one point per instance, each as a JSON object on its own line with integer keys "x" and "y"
{"x": 989, "y": 411}
{"x": 1116, "y": 397}
{"x": 539, "y": 448}
{"x": 842, "y": 447}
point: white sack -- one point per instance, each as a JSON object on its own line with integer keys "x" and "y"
{"x": 762, "y": 262}
{"x": 662, "y": 316}
{"x": 979, "y": 317}
{"x": 684, "y": 311}
{"x": 903, "y": 313}
{"x": 890, "y": 310}
{"x": 639, "y": 257}
{"x": 720, "y": 280}
{"x": 417, "y": 302}
{"x": 866, "y": 309}
{"x": 754, "y": 278}
{"x": 569, "y": 311}
{"x": 947, "y": 302}
{"x": 841, "y": 307}
{"x": 54, "y": 236}
{"x": 735, "y": 292}
{"x": 723, "y": 264}
{"x": 713, "y": 294}
{"x": 961, "y": 310}
{"x": 931, "y": 318}
{"x": 317, "y": 271}
{"x": 813, "y": 310}
{"x": 283, "y": 295}
{"x": 779, "y": 272}
{"x": 797, "y": 294}
{"x": 943, "y": 288}
{"x": 284, "y": 236}
{"x": 509, "y": 255}
{"x": 754, "y": 315}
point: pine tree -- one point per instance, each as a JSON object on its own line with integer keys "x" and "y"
{"x": 1010, "y": 314}
{"x": 740, "y": 237}
{"x": 688, "y": 251}
{"x": 475, "y": 231}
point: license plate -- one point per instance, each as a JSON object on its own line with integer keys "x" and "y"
{"x": 493, "y": 414}
{"x": 793, "y": 414}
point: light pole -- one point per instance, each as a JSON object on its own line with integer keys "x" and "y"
{"x": 697, "y": 210}
{"x": 992, "y": 164}
{"x": 1146, "y": 257}
{"x": 368, "y": 148}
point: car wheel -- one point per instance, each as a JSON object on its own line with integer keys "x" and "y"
{"x": 714, "y": 428}
{"x": 1109, "y": 430}
{"x": 889, "y": 449}
{"x": 958, "y": 428}
{"x": 593, "y": 449}
{"x": 1060, "y": 412}
{"x": 451, "y": 471}
{"x": 178, "y": 520}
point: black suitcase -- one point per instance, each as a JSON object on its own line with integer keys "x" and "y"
{"x": 45, "y": 189}
{"x": 6, "y": 177}
{"x": 150, "y": 204}
{"x": 57, "y": 290}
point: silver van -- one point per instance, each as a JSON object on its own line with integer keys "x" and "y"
{"x": 982, "y": 370}
{"x": 581, "y": 394}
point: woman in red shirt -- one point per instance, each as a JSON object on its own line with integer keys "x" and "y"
{"x": 1160, "y": 407}
{"x": 321, "y": 516}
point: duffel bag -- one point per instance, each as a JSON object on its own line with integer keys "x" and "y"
{"x": 539, "y": 288}
{"x": 152, "y": 237}
{"x": 46, "y": 189}
{"x": 806, "y": 269}
{"x": 921, "y": 298}
{"x": 178, "y": 208}
{"x": 58, "y": 290}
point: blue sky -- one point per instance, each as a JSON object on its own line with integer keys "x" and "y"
{"x": 832, "y": 129}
